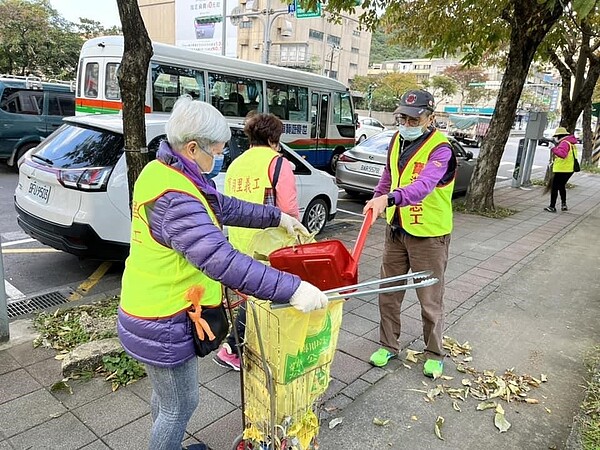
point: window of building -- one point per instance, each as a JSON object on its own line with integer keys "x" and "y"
{"x": 235, "y": 96}
{"x": 333, "y": 40}
{"x": 315, "y": 34}
{"x": 354, "y": 50}
{"x": 111, "y": 90}
{"x": 245, "y": 24}
{"x": 353, "y": 66}
{"x": 356, "y": 33}
{"x": 169, "y": 82}
{"x": 293, "y": 53}
{"x": 288, "y": 102}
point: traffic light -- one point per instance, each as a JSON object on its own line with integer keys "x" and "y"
{"x": 370, "y": 90}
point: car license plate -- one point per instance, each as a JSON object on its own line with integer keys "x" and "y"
{"x": 39, "y": 192}
{"x": 371, "y": 169}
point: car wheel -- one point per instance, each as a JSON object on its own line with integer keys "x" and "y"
{"x": 20, "y": 152}
{"x": 361, "y": 138}
{"x": 316, "y": 215}
{"x": 334, "y": 160}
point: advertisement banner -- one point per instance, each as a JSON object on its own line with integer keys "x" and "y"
{"x": 199, "y": 26}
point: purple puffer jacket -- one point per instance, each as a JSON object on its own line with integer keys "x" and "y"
{"x": 182, "y": 223}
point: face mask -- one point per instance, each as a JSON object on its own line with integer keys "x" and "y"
{"x": 217, "y": 164}
{"x": 410, "y": 133}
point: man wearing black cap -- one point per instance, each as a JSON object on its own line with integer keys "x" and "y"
{"x": 415, "y": 192}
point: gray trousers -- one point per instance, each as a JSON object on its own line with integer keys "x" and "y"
{"x": 401, "y": 253}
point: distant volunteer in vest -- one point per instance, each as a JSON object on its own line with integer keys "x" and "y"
{"x": 563, "y": 167}
{"x": 177, "y": 244}
{"x": 415, "y": 192}
{"x": 274, "y": 183}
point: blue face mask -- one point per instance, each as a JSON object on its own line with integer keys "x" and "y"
{"x": 410, "y": 133}
{"x": 217, "y": 164}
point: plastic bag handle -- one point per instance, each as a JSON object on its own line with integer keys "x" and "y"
{"x": 360, "y": 242}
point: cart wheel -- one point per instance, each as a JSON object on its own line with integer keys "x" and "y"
{"x": 238, "y": 443}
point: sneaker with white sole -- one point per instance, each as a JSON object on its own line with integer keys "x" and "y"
{"x": 225, "y": 357}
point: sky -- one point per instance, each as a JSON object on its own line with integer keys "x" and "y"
{"x": 103, "y": 11}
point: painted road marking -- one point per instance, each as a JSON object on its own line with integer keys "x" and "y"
{"x": 351, "y": 213}
{"x": 28, "y": 250}
{"x": 20, "y": 241}
{"x": 12, "y": 292}
{"x": 88, "y": 284}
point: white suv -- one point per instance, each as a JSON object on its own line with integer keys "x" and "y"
{"x": 73, "y": 195}
{"x": 367, "y": 127}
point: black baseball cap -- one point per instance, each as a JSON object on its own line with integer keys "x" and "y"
{"x": 413, "y": 103}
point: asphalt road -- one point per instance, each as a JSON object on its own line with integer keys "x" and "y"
{"x": 31, "y": 268}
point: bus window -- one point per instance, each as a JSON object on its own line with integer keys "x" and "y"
{"x": 324, "y": 109}
{"x": 342, "y": 108}
{"x": 235, "y": 96}
{"x": 170, "y": 82}
{"x": 288, "y": 102}
{"x": 314, "y": 111}
{"x": 91, "y": 80}
{"x": 111, "y": 89}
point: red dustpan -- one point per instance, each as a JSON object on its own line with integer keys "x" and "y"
{"x": 326, "y": 264}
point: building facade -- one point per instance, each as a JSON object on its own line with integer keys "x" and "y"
{"x": 317, "y": 44}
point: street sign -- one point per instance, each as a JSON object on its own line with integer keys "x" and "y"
{"x": 292, "y": 8}
{"x": 302, "y": 13}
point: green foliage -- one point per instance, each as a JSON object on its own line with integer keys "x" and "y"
{"x": 35, "y": 39}
{"x": 590, "y": 168}
{"x": 464, "y": 79}
{"x": 122, "y": 370}
{"x": 590, "y": 409}
{"x": 64, "y": 330}
{"x": 383, "y": 50}
{"x": 441, "y": 86}
{"x": 388, "y": 88}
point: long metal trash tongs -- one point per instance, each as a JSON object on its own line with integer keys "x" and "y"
{"x": 342, "y": 292}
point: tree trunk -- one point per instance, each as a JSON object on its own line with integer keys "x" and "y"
{"x": 132, "y": 82}
{"x": 530, "y": 22}
{"x": 587, "y": 138}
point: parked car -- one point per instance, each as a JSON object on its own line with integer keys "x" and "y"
{"x": 360, "y": 168}
{"x": 367, "y": 127}
{"x": 73, "y": 195}
{"x": 30, "y": 110}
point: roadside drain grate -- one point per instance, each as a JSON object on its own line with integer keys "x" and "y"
{"x": 29, "y": 305}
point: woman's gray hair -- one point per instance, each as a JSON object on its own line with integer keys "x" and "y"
{"x": 193, "y": 120}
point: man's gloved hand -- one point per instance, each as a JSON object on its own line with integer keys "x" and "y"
{"x": 292, "y": 225}
{"x": 308, "y": 297}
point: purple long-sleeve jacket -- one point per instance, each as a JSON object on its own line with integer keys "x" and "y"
{"x": 561, "y": 150}
{"x": 181, "y": 222}
{"x": 440, "y": 166}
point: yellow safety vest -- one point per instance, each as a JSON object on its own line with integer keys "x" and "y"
{"x": 156, "y": 278}
{"x": 565, "y": 164}
{"x": 433, "y": 216}
{"x": 247, "y": 178}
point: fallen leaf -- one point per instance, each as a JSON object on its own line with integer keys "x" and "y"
{"x": 466, "y": 382}
{"x": 532, "y": 401}
{"x": 500, "y": 421}
{"x": 468, "y": 359}
{"x": 455, "y": 406}
{"x": 61, "y": 386}
{"x": 407, "y": 366}
{"x": 446, "y": 377}
{"x": 544, "y": 378}
{"x": 415, "y": 418}
{"x": 424, "y": 383}
{"x": 548, "y": 410}
{"x": 486, "y": 405}
{"x": 381, "y": 422}
{"x": 60, "y": 356}
{"x": 439, "y": 422}
{"x": 411, "y": 355}
{"x": 434, "y": 392}
{"x": 335, "y": 422}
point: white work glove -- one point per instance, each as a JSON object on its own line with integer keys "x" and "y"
{"x": 292, "y": 226}
{"x": 308, "y": 297}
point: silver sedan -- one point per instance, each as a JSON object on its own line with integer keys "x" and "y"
{"x": 359, "y": 169}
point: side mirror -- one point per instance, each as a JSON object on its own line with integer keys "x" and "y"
{"x": 355, "y": 118}
{"x": 469, "y": 155}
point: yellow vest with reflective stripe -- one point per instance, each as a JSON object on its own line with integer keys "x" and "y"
{"x": 156, "y": 278}
{"x": 433, "y": 216}
{"x": 248, "y": 179}
{"x": 565, "y": 164}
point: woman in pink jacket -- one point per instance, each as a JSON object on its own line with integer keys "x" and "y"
{"x": 565, "y": 154}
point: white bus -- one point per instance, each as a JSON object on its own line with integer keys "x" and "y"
{"x": 317, "y": 111}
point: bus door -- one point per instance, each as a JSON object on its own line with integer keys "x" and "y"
{"x": 318, "y": 129}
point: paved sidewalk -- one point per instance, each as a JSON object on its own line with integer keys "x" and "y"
{"x": 499, "y": 294}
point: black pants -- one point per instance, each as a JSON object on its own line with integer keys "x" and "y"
{"x": 559, "y": 183}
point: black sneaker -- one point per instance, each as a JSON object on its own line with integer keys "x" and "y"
{"x": 564, "y": 207}
{"x": 550, "y": 209}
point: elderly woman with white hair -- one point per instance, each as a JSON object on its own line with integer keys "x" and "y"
{"x": 177, "y": 247}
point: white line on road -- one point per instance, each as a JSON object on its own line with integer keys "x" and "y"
{"x": 12, "y": 292}
{"x": 351, "y": 212}
{"x": 20, "y": 241}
